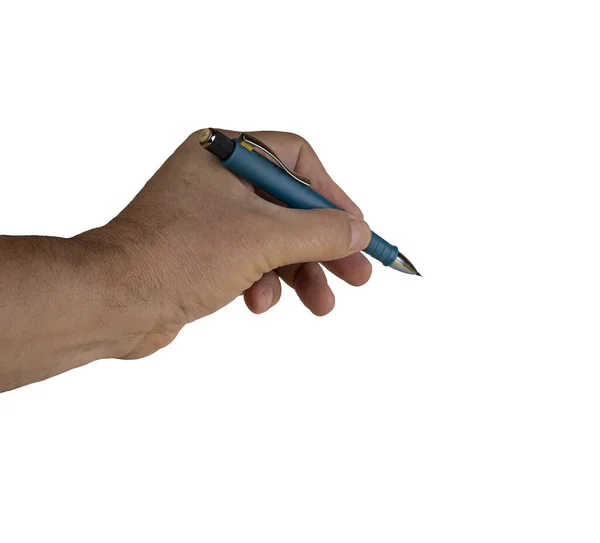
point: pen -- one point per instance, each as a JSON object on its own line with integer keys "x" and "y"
{"x": 241, "y": 156}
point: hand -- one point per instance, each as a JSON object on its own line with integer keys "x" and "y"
{"x": 197, "y": 236}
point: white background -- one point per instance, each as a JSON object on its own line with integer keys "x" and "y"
{"x": 463, "y": 406}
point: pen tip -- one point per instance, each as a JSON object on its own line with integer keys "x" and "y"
{"x": 402, "y": 264}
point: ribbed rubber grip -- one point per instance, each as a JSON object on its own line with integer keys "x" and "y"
{"x": 381, "y": 250}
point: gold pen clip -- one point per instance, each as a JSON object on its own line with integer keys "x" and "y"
{"x": 249, "y": 142}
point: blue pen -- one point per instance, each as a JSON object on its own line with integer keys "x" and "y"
{"x": 241, "y": 156}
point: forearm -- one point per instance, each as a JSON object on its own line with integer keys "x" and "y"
{"x": 61, "y": 306}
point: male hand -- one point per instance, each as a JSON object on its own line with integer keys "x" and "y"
{"x": 197, "y": 236}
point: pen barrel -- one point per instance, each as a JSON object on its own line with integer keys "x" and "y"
{"x": 266, "y": 175}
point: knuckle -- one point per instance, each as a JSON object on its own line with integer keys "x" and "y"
{"x": 336, "y": 228}
{"x": 258, "y": 233}
{"x": 297, "y": 139}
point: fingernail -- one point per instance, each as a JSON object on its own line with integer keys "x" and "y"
{"x": 357, "y": 229}
{"x": 356, "y": 212}
{"x": 267, "y": 296}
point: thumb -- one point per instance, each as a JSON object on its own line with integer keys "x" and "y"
{"x": 318, "y": 235}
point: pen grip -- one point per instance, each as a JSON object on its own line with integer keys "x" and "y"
{"x": 268, "y": 176}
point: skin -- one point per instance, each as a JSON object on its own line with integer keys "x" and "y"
{"x": 195, "y": 238}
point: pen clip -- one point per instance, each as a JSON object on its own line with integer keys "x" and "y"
{"x": 255, "y": 142}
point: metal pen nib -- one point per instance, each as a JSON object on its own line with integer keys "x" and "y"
{"x": 403, "y": 265}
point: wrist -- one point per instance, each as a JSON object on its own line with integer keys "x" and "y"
{"x": 119, "y": 309}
